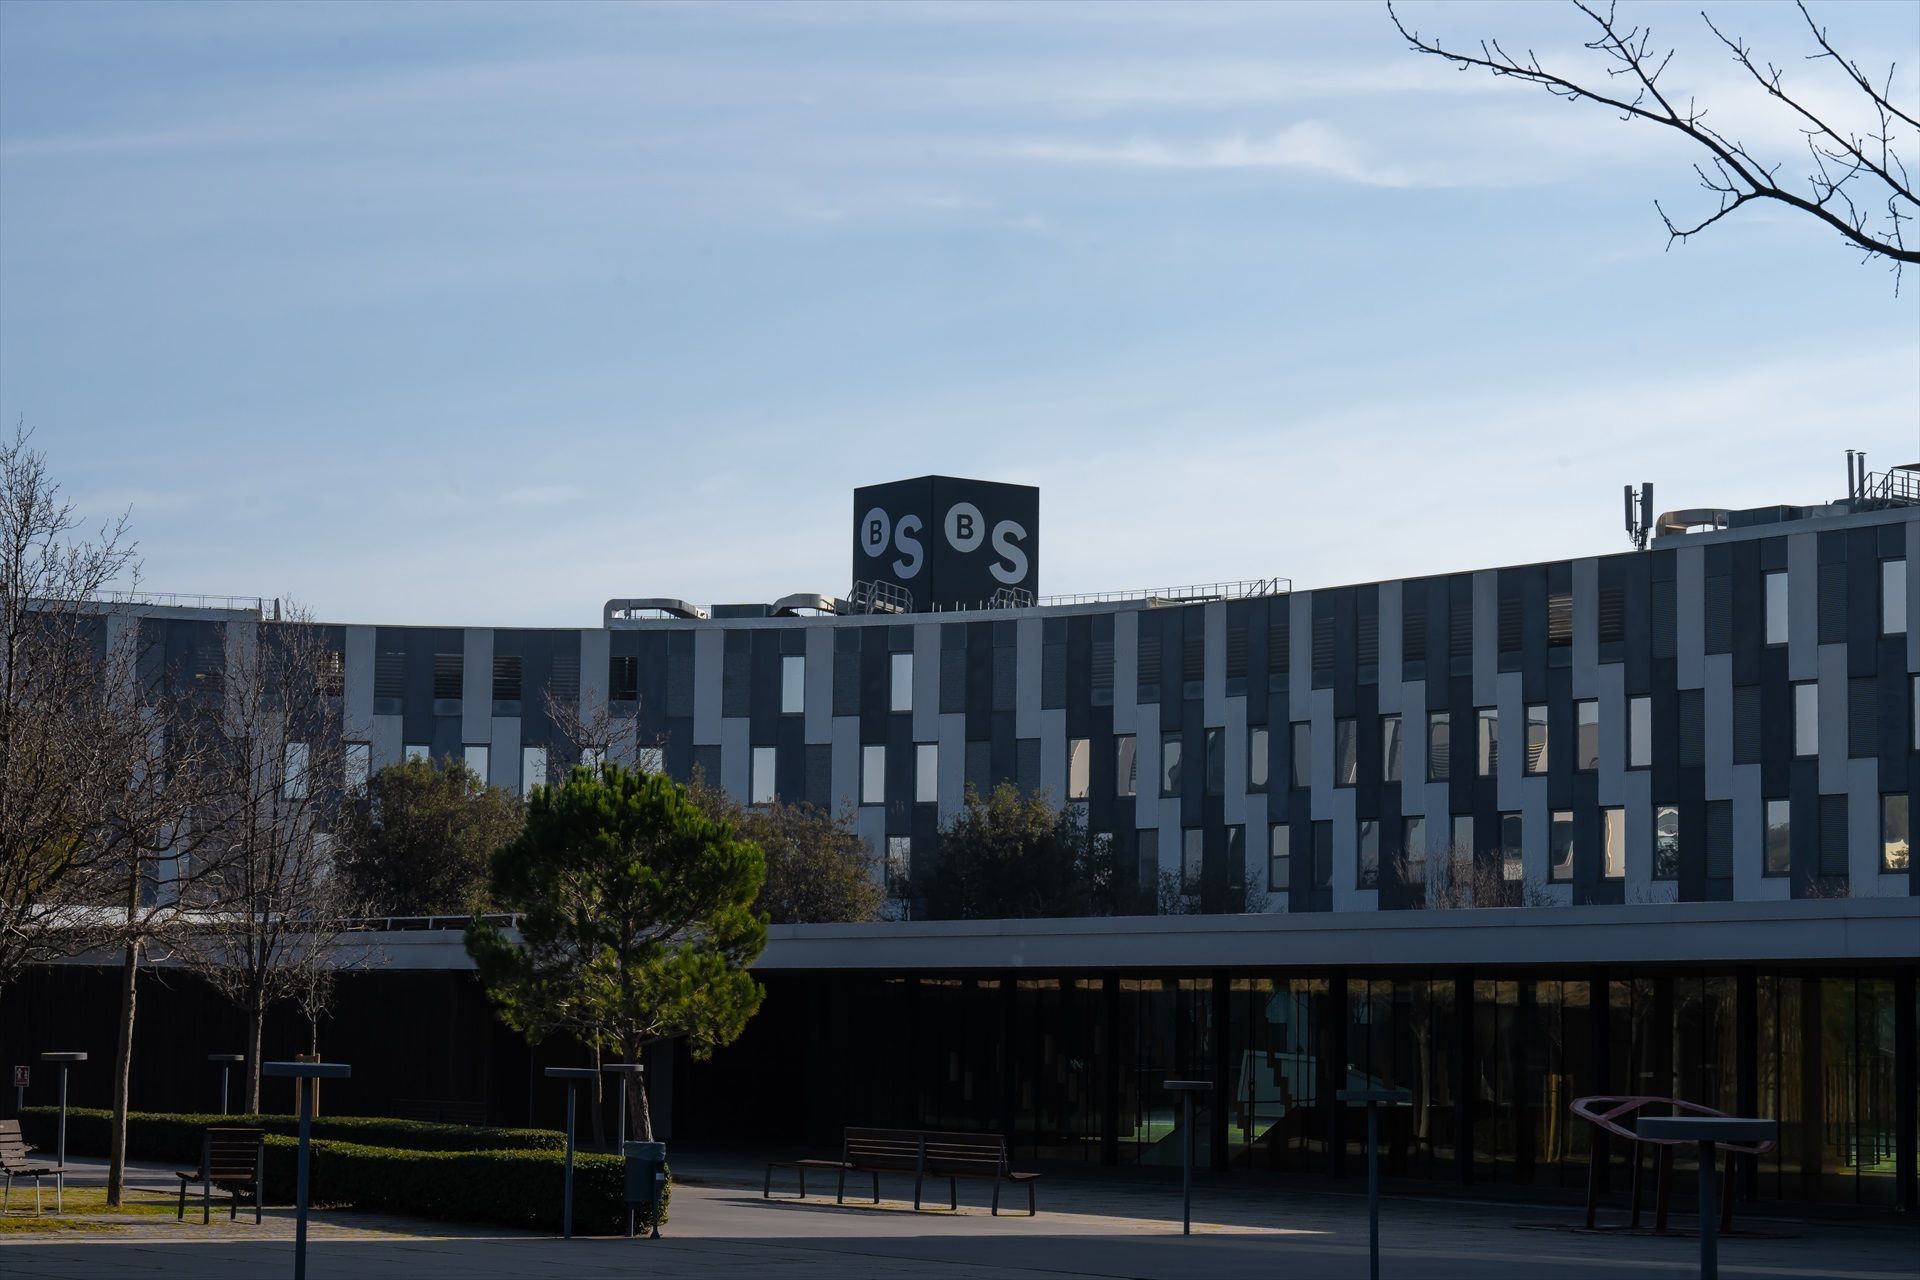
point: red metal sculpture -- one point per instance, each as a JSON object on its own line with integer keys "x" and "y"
{"x": 1614, "y": 1114}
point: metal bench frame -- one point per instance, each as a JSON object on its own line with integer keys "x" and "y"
{"x": 234, "y": 1160}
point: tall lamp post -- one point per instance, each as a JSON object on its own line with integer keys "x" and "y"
{"x": 304, "y": 1075}
{"x": 1186, "y": 1089}
{"x": 573, "y": 1076}
{"x": 64, "y": 1060}
{"x": 227, "y": 1062}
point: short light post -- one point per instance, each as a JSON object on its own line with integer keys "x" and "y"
{"x": 227, "y": 1062}
{"x": 1709, "y": 1132}
{"x": 1373, "y": 1100}
{"x": 305, "y": 1075}
{"x": 64, "y": 1060}
{"x": 573, "y": 1076}
{"x": 1186, "y": 1089}
{"x": 620, "y": 1071}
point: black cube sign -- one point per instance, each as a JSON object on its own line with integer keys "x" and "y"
{"x": 949, "y": 543}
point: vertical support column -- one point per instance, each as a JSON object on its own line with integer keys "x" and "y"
{"x": 1598, "y": 991}
{"x": 1110, "y": 1069}
{"x": 1464, "y": 1099}
{"x": 1744, "y": 1170}
{"x": 300, "y": 1185}
{"x": 1906, "y": 1124}
{"x": 1222, "y": 1018}
{"x": 1334, "y": 1072}
{"x": 1009, "y": 1081}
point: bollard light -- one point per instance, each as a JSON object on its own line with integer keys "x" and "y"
{"x": 63, "y": 1060}
{"x": 623, "y": 1070}
{"x": 1709, "y": 1132}
{"x": 227, "y": 1062}
{"x": 573, "y": 1076}
{"x": 1372, "y": 1100}
{"x": 1186, "y": 1089}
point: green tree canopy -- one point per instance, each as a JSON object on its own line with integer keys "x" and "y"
{"x": 1012, "y": 855}
{"x": 819, "y": 870}
{"x": 419, "y": 839}
{"x": 638, "y": 921}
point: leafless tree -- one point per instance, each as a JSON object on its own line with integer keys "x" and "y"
{"x": 72, "y": 735}
{"x": 1859, "y": 185}
{"x": 271, "y": 912}
{"x": 1465, "y": 882}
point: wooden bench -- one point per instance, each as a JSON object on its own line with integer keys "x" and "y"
{"x": 16, "y": 1162}
{"x": 230, "y": 1160}
{"x": 923, "y": 1153}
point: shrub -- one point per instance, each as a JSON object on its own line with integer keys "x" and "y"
{"x": 164, "y": 1136}
{"x": 507, "y": 1188}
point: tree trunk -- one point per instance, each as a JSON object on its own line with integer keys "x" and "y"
{"x": 636, "y": 1086}
{"x": 256, "y": 1031}
{"x": 122, "y": 1074}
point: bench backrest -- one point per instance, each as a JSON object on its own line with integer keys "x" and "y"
{"x": 231, "y": 1155}
{"x": 981, "y": 1154}
{"x": 882, "y": 1148}
{"x": 13, "y": 1147}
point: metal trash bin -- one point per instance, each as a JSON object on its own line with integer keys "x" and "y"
{"x": 646, "y": 1180}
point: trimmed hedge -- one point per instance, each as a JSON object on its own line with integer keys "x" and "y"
{"x": 155, "y": 1135}
{"x": 507, "y": 1188}
{"x": 506, "y": 1177}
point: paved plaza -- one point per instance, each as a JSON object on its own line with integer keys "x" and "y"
{"x": 720, "y": 1227}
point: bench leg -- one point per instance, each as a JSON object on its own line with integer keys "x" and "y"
{"x": 1596, "y": 1151}
{"x": 1638, "y": 1152}
{"x": 996, "y": 1197}
{"x": 840, "y": 1197}
{"x": 766, "y": 1188}
{"x": 953, "y": 1194}
{"x": 1662, "y": 1189}
{"x": 180, "y": 1214}
{"x": 1032, "y": 1212}
{"x": 206, "y": 1202}
{"x": 917, "y": 1180}
{"x": 876, "y": 1188}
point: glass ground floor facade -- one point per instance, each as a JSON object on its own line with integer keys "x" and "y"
{"x": 1073, "y": 1067}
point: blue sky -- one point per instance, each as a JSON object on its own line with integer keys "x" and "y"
{"x": 484, "y": 314}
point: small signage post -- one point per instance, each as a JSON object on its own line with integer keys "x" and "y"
{"x": 1186, "y": 1089}
{"x": 60, "y": 1179}
{"x": 573, "y": 1076}
{"x": 22, "y": 1077}
{"x": 1372, "y": 1100}
{"x": 304, "y": 1075}
{"x": 1709, "y": 1132}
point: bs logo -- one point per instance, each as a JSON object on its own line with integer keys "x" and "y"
{"x": 965, "y": 530}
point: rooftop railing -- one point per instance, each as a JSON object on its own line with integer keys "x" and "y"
{"x": 1245, "y": 588}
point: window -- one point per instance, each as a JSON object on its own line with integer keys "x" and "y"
{"x": 1613, "y": 843}
{"x": 1414, "y": 849}
{"x": 416, "y": 751}
{"x": 333, "y": 673}
{"x": 1147, "y": 856}
{"x": 1257, "y": 758}
{"x": 1893, "y": 833}
{"x": 647, "y": 760}
{"x": 1461, "y": 847}
{"x": 293, "y": 780}
{"x": 1126, "y": 766}
{"x": 447, "y": 675}
{"x": 1487, "y": 762}
{"x": 1639, "y": 732}
{"x": 623, "y": 678}
{"x": 793, "y": 684}
{"x": 1806, "y": 719}
{"x": 1559, "y": 618}
{"x": 1279, "y": 847}
{"x": 899, "y": 866}
{"x": 1560, "y": 846}
{"x": 533, "y": 769}
{"x": 1169, "y": 766}
{"x": 1586, "y": 734}
{"x": 1390, "y": 749}
{"x": 1778, "y": 844}
{"x": 506, "y": 677}
{"x": 1893, "y": 597}
{"x": 1512, "y": 847}
{"x": 356, "y": 767}
{"x": 1192, "y": 858}
{"x": 1537, "y": 738}
{"x": 1666, "y": 842}
{"x": 1439, "y": 731}
{"x": 1369, "y": 877}
{"x": 926, "y": 772}
{"x": 902, "y": 682}
{"x": 1322, "y": 855}
{"x": 873, "y": 774}
{"x": 1346, "y": 755}
{"x": 1079, "y": 768}
{"x": 1303, "y": 750}
{"x": 1216, "y": 740}
{"x": 476, "y": 758}
{"x": 1777, "y": 608}
{"x": 1237, "y": 863}
{"x": 760, "y": 788}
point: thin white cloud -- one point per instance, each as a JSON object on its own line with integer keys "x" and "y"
{"x": 1309, "y": 146}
